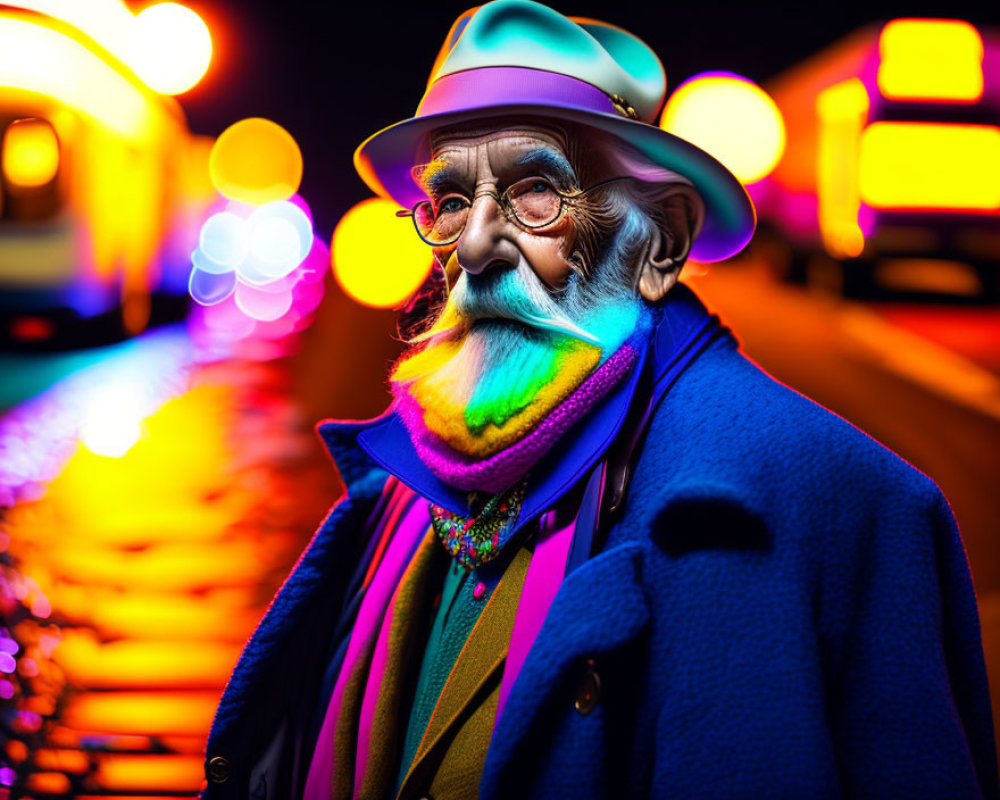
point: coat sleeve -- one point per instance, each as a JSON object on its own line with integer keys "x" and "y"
{"x": 909, "y": 700}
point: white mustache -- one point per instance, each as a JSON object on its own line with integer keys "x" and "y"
{"x": 530, "y": 303}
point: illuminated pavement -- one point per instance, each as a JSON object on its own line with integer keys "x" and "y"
{"x": 130, "y": 583}
{"x": 923, "y": 381}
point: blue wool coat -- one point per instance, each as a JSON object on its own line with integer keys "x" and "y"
{"x": 782, "y": 610}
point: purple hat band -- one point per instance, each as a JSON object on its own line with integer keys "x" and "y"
{"x": 496, "y": 86}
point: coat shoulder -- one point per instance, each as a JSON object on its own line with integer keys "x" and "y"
{"x": 730, "y": 436}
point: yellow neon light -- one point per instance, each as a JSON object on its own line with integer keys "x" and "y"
{"x": 151, "y": 713}
{"x": 167, "y": 45}
{"x": 733, "y": 119}
{"x": 933, "y": 166}
{"x": 107, "y": 22}
{"x": 38, "y": 59}
{"x": 378, "y": 259}
{"x": 142, "y": 663}
{"x": 842, "y": 111}
{"x": 30, "y": 153}
{"x": 931, "y": 59}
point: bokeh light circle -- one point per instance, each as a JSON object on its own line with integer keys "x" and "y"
{"x": 224, "y": 239}
{"x": 251, "y": 272}
{"x": 227, "y": 319}
{"x": 261, "y": 305}
{"x": 284, "y": 284}
{"x": 205, "y": 264}
{"x": 275, "y": 247}
{"x": 288, "y": 211}
{"x": 377, "y": 257}
{"x": 30, "y": 153}
{"x": 255, "y": 161}
{"x": 731, "y": 118}
{"x": 170, "y": 47}
{"x": 209, "y": 288}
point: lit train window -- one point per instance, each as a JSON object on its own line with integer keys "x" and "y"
{"x": 29, "y": 165}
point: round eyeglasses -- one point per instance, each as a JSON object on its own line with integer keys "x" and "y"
{"x": 532, "y": 203}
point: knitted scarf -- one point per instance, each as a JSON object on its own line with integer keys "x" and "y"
{"x": 491, "y": 392}
{"x": 502, "y": 469}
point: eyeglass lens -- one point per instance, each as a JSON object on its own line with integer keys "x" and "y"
{"x": 532, "y": 201}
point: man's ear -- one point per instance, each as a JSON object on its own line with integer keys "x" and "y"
{"x": 682, "y": 214}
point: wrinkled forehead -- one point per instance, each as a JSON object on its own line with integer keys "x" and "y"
{"x": 461, "y": 149}
{"x": 468, "y": 134}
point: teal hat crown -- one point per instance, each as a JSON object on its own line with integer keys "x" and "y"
{"x": 512, "y": 57}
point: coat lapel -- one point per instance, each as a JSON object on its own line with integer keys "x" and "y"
{"x": 481, "y": 657}
{"x": 600, "y": 607}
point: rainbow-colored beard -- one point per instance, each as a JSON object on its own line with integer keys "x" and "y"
{"x": 507, "y": 367}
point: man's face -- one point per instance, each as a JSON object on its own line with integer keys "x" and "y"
{"x": 527, "y": 317}
{"x": 481, "y": 166}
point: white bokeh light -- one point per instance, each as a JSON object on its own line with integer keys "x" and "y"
{"x": 170, "y": 47}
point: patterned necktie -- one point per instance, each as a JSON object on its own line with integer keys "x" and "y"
{"x": 475, "y": 539}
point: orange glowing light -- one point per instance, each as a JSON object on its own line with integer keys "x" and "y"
{"x": 30, "y": 153}
{"x": 932, "y": 166}
{"x": 931, "y": 59}
{"x": 256, "y": 161}
{"x": 170, "y": 617}
{"x": 163, "y": 567}
{"x": 730, "y": 117}
{"x": 149, "y": 713}
{"x": 377, "y": 257}
{"x": 49, "y": 783}
{"x": 842, "y": 111}
{"x": 17, "y": 751}
{"x": 74, "y": 761}
{"x": 144, "y": 664}
{"x": 159, "y": 772}
{"x": 170, "y": 47}
{"x": 125, "y": 797}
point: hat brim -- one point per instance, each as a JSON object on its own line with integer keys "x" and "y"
{"x": 385, "y": 161}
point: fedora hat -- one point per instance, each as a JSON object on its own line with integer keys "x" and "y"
{"x": 511, "y": 57}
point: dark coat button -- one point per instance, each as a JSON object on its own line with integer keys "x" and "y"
{"x": 218, "y": 770}
{"x": 588, "y": 690}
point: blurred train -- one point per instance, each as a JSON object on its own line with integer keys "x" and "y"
{"x": 102, "y": 185}
{"x": 890, "y": 181}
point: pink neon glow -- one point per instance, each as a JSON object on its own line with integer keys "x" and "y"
{"x": 228, "y": 319}
{"x": 260, "y": 305}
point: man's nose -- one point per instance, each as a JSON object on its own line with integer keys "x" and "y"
{"x": 486, "y": 241}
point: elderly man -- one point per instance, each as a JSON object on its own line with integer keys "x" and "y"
{"x": 591, "y": 551}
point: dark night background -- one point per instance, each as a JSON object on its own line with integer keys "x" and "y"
{"x": 333, "y": 73}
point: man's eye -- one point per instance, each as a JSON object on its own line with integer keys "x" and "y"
{"x": 451, "y": 205}
{"x": 540, "y": 186}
